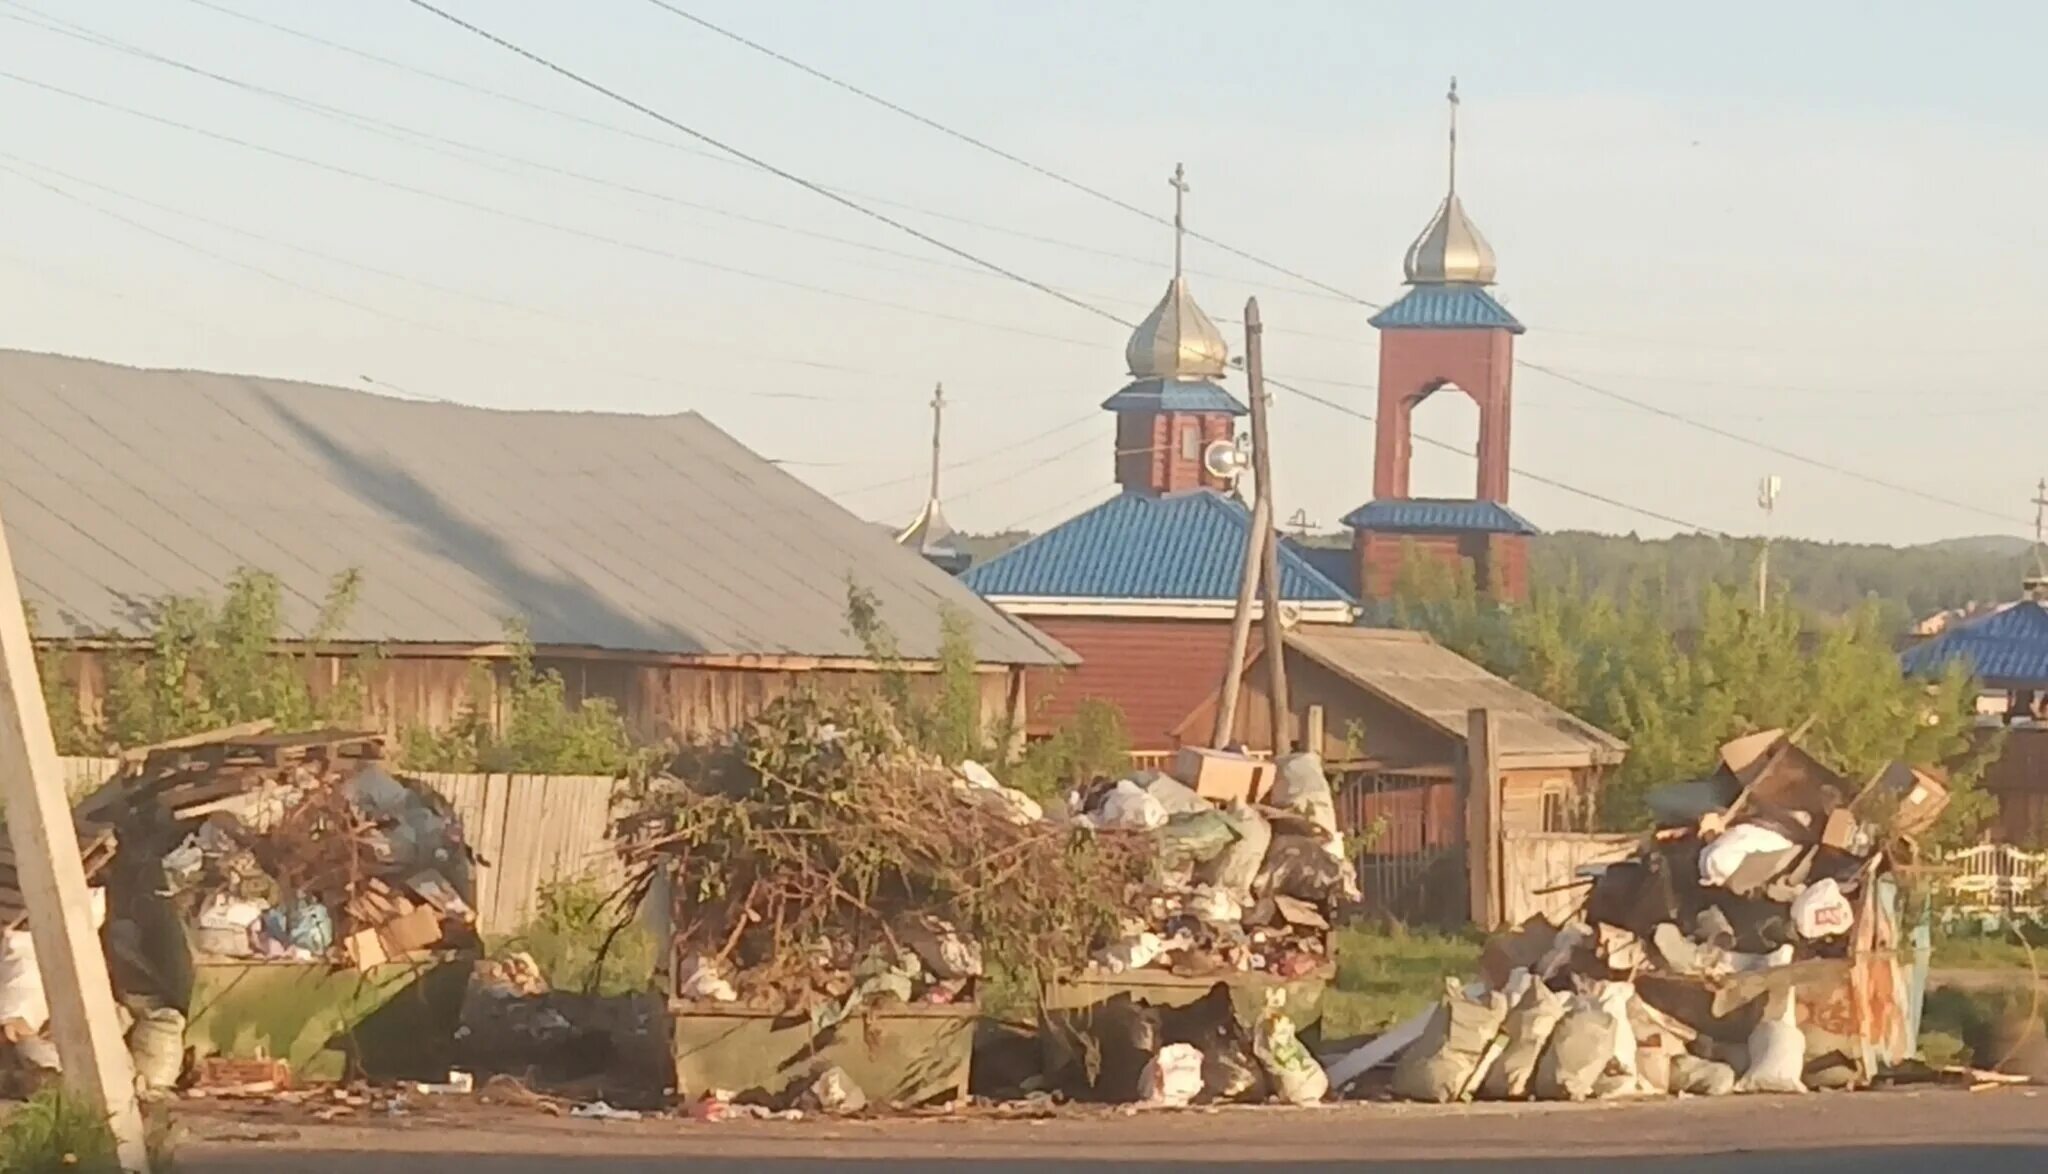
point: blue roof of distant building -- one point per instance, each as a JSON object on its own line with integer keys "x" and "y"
{"x": 1336, "y": 563}
{"x": 1429, "y": 515}
{"x": 2008, "y": 648}
{"x": 1183, "y": 546}
{"x": 1174, "y": 395}
{"x": 1447, "y": 307}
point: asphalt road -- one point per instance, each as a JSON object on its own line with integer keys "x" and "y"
{"x": 1866, "y": 1133}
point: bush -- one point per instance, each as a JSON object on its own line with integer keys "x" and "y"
{"x": 567, "y": 939}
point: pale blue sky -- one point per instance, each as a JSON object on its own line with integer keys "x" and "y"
{"x": 1811, "y": 222}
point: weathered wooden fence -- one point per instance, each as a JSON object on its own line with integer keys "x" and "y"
{"x": 1536, "y": 866}
{"x": 530, "y": 830}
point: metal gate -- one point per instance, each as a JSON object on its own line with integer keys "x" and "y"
{"x": 1408, "y": 833}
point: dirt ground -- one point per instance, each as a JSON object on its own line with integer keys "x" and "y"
{"x": 1869, "y": 1133}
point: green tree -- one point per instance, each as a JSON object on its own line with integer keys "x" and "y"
{"x": 537, "y": 731}
{"x": 1622, "y": 667}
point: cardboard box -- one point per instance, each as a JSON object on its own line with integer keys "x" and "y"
{"x": 1840, "y": 831}
{"x": 1223, "y": 777}
{"x": 366, "y": 949}
{"x": 415, "y": 931}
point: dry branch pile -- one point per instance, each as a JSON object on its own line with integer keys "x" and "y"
{"x": 822, "y": 861}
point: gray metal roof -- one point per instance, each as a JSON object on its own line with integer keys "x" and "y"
{"x": 1415, "y": 673}
{"x": 631, "y": 533}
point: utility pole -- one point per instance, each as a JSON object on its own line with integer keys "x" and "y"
{"x": 1268, "y": 537}
{"x": 1766, "y": 500}
{"x": 97, "y": 1068}
{"x": 1241, "y": 622}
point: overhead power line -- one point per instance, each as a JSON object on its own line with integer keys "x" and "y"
{"x": 1115, "y": 201}
{"x": 1093, "y": 310}
{"x": 992, "y": 149}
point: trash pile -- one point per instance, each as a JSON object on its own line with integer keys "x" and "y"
{"x": 1749, "y": 945}
{"x": 821, "y": 866}
{"x": 1250, "y": 865}
{"x": 248, "y": 846}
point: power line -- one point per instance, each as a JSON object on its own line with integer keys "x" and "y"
{"x": 1767, "y": 446}
{"x": 966, "y": 462}
{"x": 533, "y": 221}
{"x": 991, "y": 148}
{"x": 1115, "y": 201}
{"x": 1096, "y": 311}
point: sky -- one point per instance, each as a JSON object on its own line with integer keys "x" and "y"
{"x": 1812, "y": 226}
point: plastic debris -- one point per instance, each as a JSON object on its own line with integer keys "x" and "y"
{"x": 1296, "y": 1076}
{"x": 834, "y": 1093}
{"x": 600, "y": 1111}
{"x": 1173, "y": 1078}
{"x": 1777, "y": 1050}
{"x": 1821, "y": 911}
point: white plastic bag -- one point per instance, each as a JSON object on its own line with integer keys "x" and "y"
{"x": 978, "y": 788}
{"x": 1134, "y": 953}
{"x": 697, "y": 978}
{"x": 1720, "y": 859}
{"x": 1296, "y": 1075}
{"x": 1173, "y": 1078}
{"x": 1304, "y": 789}
{"x": 1821, "y": 911}
{"x": 1215, "y": 906}
{"x": 21, "y": 980}
{"x": 1613, "y": 998}
{"x": 1130, "y": 806}
{"x": 1177, "y": 797}
{"x": 1777, "y": 1050}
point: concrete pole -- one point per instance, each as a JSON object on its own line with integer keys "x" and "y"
{"x": 51, "y": 873}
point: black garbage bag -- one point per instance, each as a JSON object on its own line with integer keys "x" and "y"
{"x": 1121, "y": 1035}
{"x": 1230, "y": 1072}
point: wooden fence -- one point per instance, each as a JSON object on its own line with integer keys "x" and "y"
{"x": 1533, "y": 862}
{"x": 530, "y": 830}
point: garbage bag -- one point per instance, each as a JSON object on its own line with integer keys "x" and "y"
{"x": 1821, "y": 911}
{"x": 1296, "y": 1076}
{"x": 1194, "y": 838}
{"x": 1129, "y": 806}
{"x": 156, "y": 1044}
{"x": 1528, "y": 1028}
{"x": 1214, "y": 905}
{"x": 1777, "y": 1050}
{"x": 1133, "y": 953}
{"x": 945, "y": 951}
{"x": 21, "y": 978}
{"x": 1175, "y": 796}
{"x": 1298, "y": 867}
{"x": 1237, "y": 867}
{"x": 1694, "y": 1076}
{"x": 1304, "y": 789}
{"x": 1123, "y": 1039}
{"x": 1579, "y": 1052}
{"x": 1614, "y": 998}
{"x": 1173, "y": 1078}
{"x": 1720, "y": 859}
{"x": 1440, "y": 1066}
{"x": 979, "y": 788}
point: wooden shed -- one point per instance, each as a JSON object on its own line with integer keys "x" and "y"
{"x": 1389, "y": 711}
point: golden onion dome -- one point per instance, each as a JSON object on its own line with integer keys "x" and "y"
{"x": 1450, "y": 249}
{"x": 1177, "y": 340}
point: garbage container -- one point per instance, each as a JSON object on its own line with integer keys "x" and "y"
{"x": 899, "y": 1056}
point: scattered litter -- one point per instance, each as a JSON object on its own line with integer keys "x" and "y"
{"x": 833, "y": 1093}
{"x": 600, "y": 1111}
{"x": 1296, "y": 1076}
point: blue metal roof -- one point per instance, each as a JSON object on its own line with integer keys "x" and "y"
{"x": 2008, "y": 648}
{"x": 1431, "y": 515}
{"x": 1446, "y": 307}
{"x": 1174, "y": 395}
{"x": 1337, "y": 563}
{"x": 1136, "y": 546}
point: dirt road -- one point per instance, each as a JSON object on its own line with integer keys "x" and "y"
{"x": 1868, "y": 1133}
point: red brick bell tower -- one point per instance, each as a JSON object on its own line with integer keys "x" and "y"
{"x": 1175, "y": 406}
{"x": 1446, "y": 335}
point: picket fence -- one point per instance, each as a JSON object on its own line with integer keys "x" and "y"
{"x": 529, "y": 831}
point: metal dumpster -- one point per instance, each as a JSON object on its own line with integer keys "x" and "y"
{"x": 899, "y": 1056}
{"x": 1069, "y": 1002}
{"x": 392, "y": 1021}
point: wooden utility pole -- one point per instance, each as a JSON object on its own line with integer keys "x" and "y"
{"x": 1268, "y": 537}
{"x": 1241, "y": 623}
{"x": 52, "y": 878}
{"x": 1482, "y": 795}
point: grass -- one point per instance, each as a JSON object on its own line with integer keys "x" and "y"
{"x": 567, "y": 934}
{"x": 1386, "y": 974}
{"x": 1986, "y": 952}
{"x": 55, "y": 1134}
